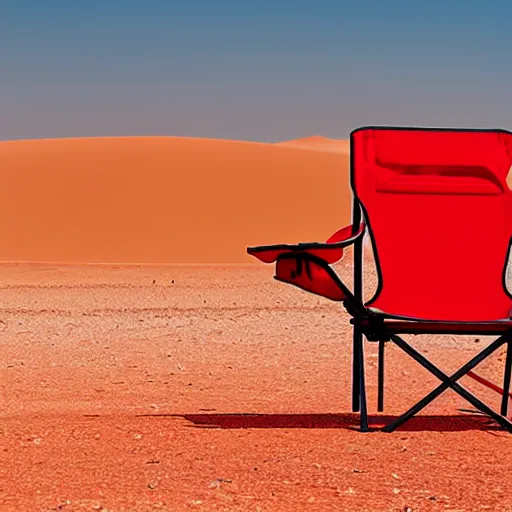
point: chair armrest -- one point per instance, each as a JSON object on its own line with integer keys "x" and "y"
{"x": 330, "y": 251}
{"x": 306, "y": 265}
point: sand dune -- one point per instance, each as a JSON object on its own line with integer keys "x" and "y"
{"x": 318, "y": 143}
{"x": 164, "y": 199}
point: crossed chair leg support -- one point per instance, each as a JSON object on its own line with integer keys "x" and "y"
{"x": 447, "y": 382}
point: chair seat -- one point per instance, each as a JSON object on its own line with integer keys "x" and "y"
{"x": 428, "y": 327}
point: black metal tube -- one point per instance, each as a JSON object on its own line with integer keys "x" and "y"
{"x": 447, "y": 382}
{"x": 506, "y": 380}
{"x": 380, "y": 397}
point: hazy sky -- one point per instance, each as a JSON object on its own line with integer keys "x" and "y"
{"x": 251, "y": 69}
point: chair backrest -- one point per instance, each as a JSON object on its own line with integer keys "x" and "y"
{"x": 439, "y": 212}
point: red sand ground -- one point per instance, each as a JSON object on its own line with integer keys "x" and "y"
{"x": 199, "y": 388}
{"x": 204, "y": 388}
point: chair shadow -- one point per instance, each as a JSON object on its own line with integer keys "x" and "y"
{"x": 453, "y": 423}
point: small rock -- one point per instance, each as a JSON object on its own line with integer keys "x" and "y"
{"x": 216, "y": 483}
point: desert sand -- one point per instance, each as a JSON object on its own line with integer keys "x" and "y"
{"x": 200, "y": 385}
{"x": 164, "y": 199}
{"x": 197, "y": 388}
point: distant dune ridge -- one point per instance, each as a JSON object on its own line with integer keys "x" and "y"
{"x": 162, "y": 200}
{"x": 318, "y": 143}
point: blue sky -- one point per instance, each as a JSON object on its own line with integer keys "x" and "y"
{"x": 260, "y": 70}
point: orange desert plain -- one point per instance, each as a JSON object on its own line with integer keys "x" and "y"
{"x": 147, "y": 363}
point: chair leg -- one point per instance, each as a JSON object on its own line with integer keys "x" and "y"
{"x": 362, "y": 388}
{"x": 357, "y": 372}
{"x": 448, "y": 382}
{"x": 356, "y": 388}
{"x": 380, "y": 398}
{"x": 506, "y": 380}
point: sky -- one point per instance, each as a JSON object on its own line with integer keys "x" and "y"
{"x": 260, "y": 70}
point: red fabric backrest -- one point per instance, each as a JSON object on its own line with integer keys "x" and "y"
{"x": 439, "y": 212}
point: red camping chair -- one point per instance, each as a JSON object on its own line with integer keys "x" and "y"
{"x": 438, "y": 210}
